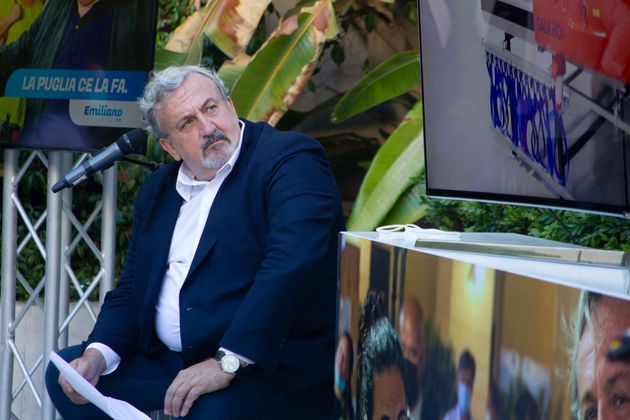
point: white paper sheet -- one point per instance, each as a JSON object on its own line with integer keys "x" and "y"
{"x": 116, "y": 409}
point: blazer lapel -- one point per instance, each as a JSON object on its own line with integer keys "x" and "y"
{"x": 214, "y": 225}
{"x": 219, "y": 212}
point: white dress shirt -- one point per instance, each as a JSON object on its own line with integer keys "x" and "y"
{"x": 198, "y": 198}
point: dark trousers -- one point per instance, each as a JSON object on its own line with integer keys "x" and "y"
{"x": 143, "y": 382}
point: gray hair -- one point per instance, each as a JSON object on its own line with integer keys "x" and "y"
{"x": 587, "y": 304}
{"x": 161, "y": 85}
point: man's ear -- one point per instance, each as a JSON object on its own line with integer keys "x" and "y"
{"x": 168, "y": 148}
{"x": 228, "y": 100}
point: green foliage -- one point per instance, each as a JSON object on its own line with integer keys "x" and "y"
{"x": 591, "y": 230}
{"x": 397, "y": 75}
{"x": 170, "y": 15}
{"x": 395, "y": 168}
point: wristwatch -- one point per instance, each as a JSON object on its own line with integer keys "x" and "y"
{"x": 229, "y": 362}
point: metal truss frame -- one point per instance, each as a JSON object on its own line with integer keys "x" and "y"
{"x": 51, "y": 296}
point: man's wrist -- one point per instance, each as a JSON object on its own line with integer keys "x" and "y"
{"x": 229, "y": 362}
{"x": 112, "y": 359}
{"x": 98, "y": 359}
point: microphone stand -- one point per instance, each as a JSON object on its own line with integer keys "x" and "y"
{"x": 150, "y": 164}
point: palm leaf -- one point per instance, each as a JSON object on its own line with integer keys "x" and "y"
{"x": 165, "y": 58}
{"x": 397, "y": 165}
{"x": 408, "y": 208}
{"x": 395, "y": 76}
{"x": 185, "y": 46}
{"x": 231, "y": 23}
{"x": 231, "y": 70}
{"x": 282, "y": 67}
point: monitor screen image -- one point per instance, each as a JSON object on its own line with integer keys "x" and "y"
{"x": 525, "y": 101}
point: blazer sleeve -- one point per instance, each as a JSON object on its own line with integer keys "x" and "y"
{"x": 304, "y": 216}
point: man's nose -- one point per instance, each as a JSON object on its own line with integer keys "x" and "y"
{"x": 206, "y": 125}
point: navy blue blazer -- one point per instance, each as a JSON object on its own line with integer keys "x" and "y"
{"x": 263, "y": 280}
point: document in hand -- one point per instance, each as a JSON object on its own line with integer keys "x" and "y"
{"x": 116, "y": 409}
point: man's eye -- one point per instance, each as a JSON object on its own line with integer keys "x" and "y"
{"x": 590, "y": 413}
{"x": 619, "y": 400}
{"x": 210, "y": 108}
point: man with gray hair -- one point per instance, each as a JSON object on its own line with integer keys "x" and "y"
{"x": 226, "y": 305}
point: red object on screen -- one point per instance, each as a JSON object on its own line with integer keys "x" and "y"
{"x": 591, "y": 33}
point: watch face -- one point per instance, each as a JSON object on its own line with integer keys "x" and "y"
{"x": 230, "y": 363}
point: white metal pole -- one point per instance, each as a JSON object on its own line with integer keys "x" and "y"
{"x": 108, "y": 229}
{"x": 9, "y": 256}
{"x": 53, "y": 259}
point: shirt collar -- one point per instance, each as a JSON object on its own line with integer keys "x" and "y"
{"x": 188, "y": 187}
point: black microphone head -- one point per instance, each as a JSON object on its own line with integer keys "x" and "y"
{"x": 133, "y": 142}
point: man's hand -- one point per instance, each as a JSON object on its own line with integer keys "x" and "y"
{"x": 90, "y": 366}
{"x": 203, "y": 378}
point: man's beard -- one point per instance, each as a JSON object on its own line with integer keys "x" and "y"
{"x": 214, "y": 157}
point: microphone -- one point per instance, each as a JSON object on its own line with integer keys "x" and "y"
{"x": 133, "y": 142}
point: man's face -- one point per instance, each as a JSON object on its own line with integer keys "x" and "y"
{"x": 467, "y": 378}
{"x": 413, "y": 347}
{"x": 203, "y": 128}
{"x": 389, "y": 395}
{"x": 412, "y": 341}
{"x": 603, "y": 386}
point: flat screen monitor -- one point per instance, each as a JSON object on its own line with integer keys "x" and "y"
{"x": 526, "y": 102}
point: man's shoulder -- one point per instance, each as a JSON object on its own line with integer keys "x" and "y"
{"x": 266, "y": 137}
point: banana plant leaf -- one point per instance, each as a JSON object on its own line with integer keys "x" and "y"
{"x": 395, "y": 76}
{"x": 396, "y": 167}
{"x": 409, "y": 207}
{"x": 185, "y": 45}
{"x": 230, "y": 24}
{"x": 281, "y": 68}
{"x": 165, "y": 58}
{"x": 231, "y": 70}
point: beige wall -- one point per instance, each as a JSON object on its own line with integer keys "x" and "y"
{"x": 536, "y": 316}
{"x": 421, "y": 280}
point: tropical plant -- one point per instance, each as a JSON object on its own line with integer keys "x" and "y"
{"x": 263, "y": 85}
